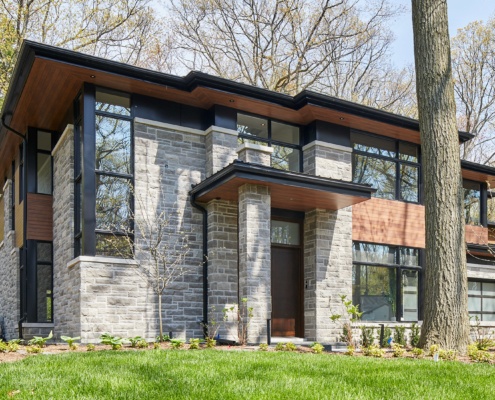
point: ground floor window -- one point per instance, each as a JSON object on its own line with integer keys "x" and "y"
{"x": 385, "y": 282}
{"x": 481, "y": 300}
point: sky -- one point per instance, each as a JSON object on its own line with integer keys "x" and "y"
{"x": 461, "y": 12}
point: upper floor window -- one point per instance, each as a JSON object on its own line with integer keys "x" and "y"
{"x": 391, "y": 166}
{"x": 283, "y": 138}
{"x": 481, "y": 300}
{"x": 114, "y": 170}
{"x": 385, "y": 282}
{"x": 472, "y": 202}
{"x": 44, "y": 163}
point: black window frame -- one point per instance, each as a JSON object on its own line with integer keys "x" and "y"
{"x": 483, "y": 199}
{"x": 48, "y": 153}
{"x": 398, "y": 163}
{"x": 12, "y": 198}
{"x": 269, "y": 141}
{"x": 481, "y": 312}
{"x": 399, "y": 269}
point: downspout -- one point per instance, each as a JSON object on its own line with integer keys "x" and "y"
{"x": 12, "y": 129}
{"x": 205, "y": 261}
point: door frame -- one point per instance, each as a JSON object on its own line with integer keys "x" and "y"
{"x": 298, "y": 217}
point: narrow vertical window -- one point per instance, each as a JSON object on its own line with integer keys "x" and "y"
{"x": 44, "y": 282}
{"x": 44, "y": 163}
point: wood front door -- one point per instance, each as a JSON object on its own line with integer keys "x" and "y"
{"x": 286, "y": 291}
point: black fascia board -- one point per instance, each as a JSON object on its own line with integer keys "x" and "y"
{"x": 30, "y": 50}
{"x": 488, "y": 248}
{"x": 481, "y": 168}
{"x": 240, "y": 169}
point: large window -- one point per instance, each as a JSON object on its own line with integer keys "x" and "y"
{"x": 481, "y": 300}
{"x": 283, "y": 138}
{"x": 114, "y": 170}
{"x": 385, "y": 282}
{"x": 44, "y": 282}
{"x": 44, "y": 163}
{"x": 390, "y": 166}
{"x": 472, "y": 202}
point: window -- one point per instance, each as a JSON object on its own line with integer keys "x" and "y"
{"x": 114, "y": 171}
{"x": 390, "y": 166}
{"x": 283, "y": 138}
{"x": 44, "y": 163}
{"x": 491, "y": 207}
{"x": 472, "y": 194}
{"x": 481, "y": 300}
{"x": 44, "y": 282}
{"x": 385, "y": 282}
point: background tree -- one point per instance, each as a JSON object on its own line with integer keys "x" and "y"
{"x": 446, "y": 320}
{"x": 473, "y": 63}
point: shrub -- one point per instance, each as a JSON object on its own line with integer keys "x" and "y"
{"x": 210, "y": 342}
{"x": 177, "y": 343}
{"x": 434, "y": 348}
{"x": 417, "y": 352}
{"x": 263, "y": 346}
{"x": 478, "y": 355}
{"x": 373, "y": 351}
{"x": 40, "y": 341}
{"x": 156, "y": 345}
{"x": 90, "y": 347}
{"x": 449, "y": 355}
{"x": 135, "y": 340}
{"x": 114, "y": 341}
{"x": 317, "y": 348}
{"x": 398, "y": 350}
{"x": 290, "y": 346}
{"x": 4, "y": 347}
{"x": 70, "y": 341}
{"x": 142, "y": 344}
{"x": 415, "y": 335}
{"x": 194, "y": 344}
{"x": 280, "y": 347}
{"x": 367, "y": 336}
{"x": 34, "y": 349}
{"x": 387, "y": 334}
{"x": 400, "y": 335}
{"x": 350, "y": 350}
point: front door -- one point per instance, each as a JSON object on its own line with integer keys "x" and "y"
{"x": 285, "y": 290}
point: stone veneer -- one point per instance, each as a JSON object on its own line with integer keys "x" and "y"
{"x": 220, "y": 148}
{"x": 255, "y": 256}
{"x": 327, "y": 245}
{"x": 255, "y": 154}
{"x": 9, "y": 272}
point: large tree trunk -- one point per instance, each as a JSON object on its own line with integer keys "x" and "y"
{"x": 446, "y": 320}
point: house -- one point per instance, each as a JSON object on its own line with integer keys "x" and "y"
{"x": 294, "y": 200}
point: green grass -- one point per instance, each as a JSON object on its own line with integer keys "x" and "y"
{"x": 236, "y": 375}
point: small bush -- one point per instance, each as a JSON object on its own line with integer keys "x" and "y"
{"x": 398, "y": 350}
{"x": 449, "y": 355}
{"x": 210, "y": 343}
{"x": 350, "y": 350}
{"x": 156, "y": 345}
{"x": 373, "y": 351}
{"x": 114, "y": 341}
{"x": 90, "y": 347}
{"x": 478, "y": 355}
{"x": 400, "y": 335}
{"x": 367, "y": 336}
{"x": 142, "y": 344}
{"x": 317, "y": 348}
{"x": 4, "y": 347}
{"x": 290, "y": 346}
{"x": 135, "y": 340}
{"x": 280, "y": 347}
{"x": 387, "y": 334}
{"x": 34, "y": 349}
{"x": 263, "y": 347}
{"x": 194, "y": 344}
{"x": 417, "y": 352}
{"x": 177, "y": 343}
{"x": 70, "y": 341}
{"x": 434, "y": 348}
{"x": 415, "y": 335}
{"x": 40, "y": 341}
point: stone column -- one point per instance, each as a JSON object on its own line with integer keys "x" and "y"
{"x": 255, "y": 154}
{"x": 255, "y": 257}
{"x": 220, "y": 148}
{"x": 327, "y": 245}
{"x": 222, "y": 263}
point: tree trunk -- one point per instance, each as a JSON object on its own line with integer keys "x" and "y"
{"x": 160, "y": 319}
{"x": 446, "y": 320}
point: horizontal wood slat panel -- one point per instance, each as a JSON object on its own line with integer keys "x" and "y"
{"x": 19, "y": 225}
{"x": 389, "y": 222}
{"x": 40, "y": 217}
{"x": 476, "y": 234}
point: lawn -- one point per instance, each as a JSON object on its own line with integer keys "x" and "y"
{"x": 214, "y": 374}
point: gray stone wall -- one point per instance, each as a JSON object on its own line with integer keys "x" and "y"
{"x": 66, "y": 281}
{"x": 222, "y": 264}
{"x": 9, "y": 273}
{"x": 255, "y": 256}
{"x": 255, "y": 154}
{"x": 168, "y": 162}
{"x": 220, "y": 149}
{"x": 327, "y": 246}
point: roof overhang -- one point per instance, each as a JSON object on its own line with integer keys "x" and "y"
{"x": 478, "y": 172}
{"x": 289, "y": 190}
{"x": 47, "y": 79}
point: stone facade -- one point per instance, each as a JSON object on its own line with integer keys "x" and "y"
{"x": 255, "y": 256}
{"x": 9, "y": 271}
{"x": 255, "y": 154}
{"x": 220, "y": 148}
{"x": 327, "y": 246}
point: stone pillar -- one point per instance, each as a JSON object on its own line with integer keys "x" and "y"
{"x": 255, "y": 154}
{"x": 222, "y": 263}
{"x": 66, "y": 302}
{"x": 9, "y": 271}
{"x": 254, "y": 256}
{"x": 327, "y": 245}
{"x": 220, "y": 148}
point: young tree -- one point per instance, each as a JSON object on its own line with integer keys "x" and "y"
{"x": 446, "y": 320}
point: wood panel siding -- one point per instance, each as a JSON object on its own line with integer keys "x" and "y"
{"x": 476, "y": 235}
{"x": 39, "y": 217}
{"x": 19, "y": 225}
{"x": 389, "y": 222}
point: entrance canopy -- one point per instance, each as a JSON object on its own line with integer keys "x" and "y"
{"x": 289, "y": 190}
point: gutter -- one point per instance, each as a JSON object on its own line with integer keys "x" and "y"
{"x": 205, "y": 261}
